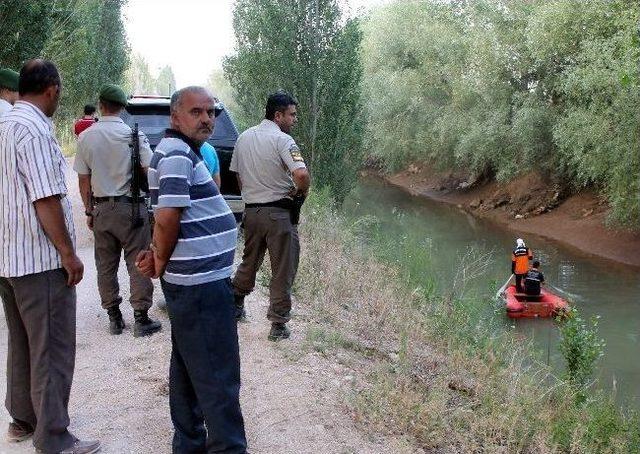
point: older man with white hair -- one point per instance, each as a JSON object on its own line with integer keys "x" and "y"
{"x": 192, "y": 252}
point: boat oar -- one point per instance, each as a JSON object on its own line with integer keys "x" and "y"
{"x": 504, "y": 287}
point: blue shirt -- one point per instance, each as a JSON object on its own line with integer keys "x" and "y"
{"x": 207, "y": 238}
{"x": 210, "y": 158}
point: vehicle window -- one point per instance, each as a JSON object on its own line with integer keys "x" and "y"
{"x": 151, "y": 121}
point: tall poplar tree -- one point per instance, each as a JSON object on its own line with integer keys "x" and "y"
{"x": 310, "y": 49}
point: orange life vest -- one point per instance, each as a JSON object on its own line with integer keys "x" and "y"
{"x": 520, "y": 257}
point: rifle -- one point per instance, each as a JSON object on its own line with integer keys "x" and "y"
{"x": 139, "y": 180}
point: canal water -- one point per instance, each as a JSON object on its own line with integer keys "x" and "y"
{"x": 435, "y": 242}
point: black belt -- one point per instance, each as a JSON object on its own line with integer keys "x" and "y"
{"x": 286, "y": 204}
{"x": 118, "y": 198}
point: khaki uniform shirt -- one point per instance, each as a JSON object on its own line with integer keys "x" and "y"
{"x": 104, "y": 153}
{"x": 264, "y": 158}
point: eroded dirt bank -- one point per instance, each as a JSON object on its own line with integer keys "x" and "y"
{"x": 530, "y": 205}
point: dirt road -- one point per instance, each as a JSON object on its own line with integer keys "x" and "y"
{"x": 292, "y": 400}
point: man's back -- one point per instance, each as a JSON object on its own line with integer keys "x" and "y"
{"x": 532, "y": 282}
{"x": 521, "y": 256}
{"x": 31, "y": 168}
{"x": 264, "y": 158}
{"x": 104, "y": 152}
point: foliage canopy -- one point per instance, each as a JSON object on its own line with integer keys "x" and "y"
{"x": 503, "y": 87}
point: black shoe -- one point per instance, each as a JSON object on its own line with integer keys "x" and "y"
{"x": 144, "y": 326}
{"x": 241, "y": 314}
{"x": 278, "y": 332}
{"x": 116, "y": 323}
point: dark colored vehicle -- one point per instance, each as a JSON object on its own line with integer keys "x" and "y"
{"x": 152, "y": 115}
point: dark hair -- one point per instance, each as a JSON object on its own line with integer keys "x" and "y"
{"x": 36, "y": 76}
{"x": 89, "y": 109}
{"x": 111, "y": 106}
{"x": 536, "y": 263}
{"x": 278, "y": 102}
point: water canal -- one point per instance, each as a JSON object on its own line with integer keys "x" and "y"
{"x": 433, "y": 240}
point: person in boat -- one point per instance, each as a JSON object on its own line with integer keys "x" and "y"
{"x": 533, "y": 280}
{"x": 520, "y": 262}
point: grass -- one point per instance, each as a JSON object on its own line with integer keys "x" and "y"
{"x": 440, "y": 368}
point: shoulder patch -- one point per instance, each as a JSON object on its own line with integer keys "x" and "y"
{"x": 295, "y": 153}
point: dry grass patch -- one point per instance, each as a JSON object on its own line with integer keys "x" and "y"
{"x": 436, "y": 370}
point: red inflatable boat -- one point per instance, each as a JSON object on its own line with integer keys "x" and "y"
{"x": 520, "y": 305}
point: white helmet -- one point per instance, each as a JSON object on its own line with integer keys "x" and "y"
{"x": 520, "y": 242}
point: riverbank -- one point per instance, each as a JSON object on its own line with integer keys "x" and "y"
{"x": 441, "y": 370}
{"x": 529, "y": 206}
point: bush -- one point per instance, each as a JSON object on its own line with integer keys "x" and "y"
{"x": 581, "y": 348}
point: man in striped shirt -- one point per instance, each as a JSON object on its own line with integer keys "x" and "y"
{"x": 193, "y": 247}
{"x": 40, "y": 267}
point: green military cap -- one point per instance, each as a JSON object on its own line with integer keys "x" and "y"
{"x": 9, "y": 79}
{"x": 113, "y": 93}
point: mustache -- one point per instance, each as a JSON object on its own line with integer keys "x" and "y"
{"x": 205, "y": 127}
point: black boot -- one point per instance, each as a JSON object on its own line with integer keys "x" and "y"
{"x": 144, "y": 326}
{"x": 116, "y": 323}
{"x": 241, "y": 314}
{"x": 278, "y": 332}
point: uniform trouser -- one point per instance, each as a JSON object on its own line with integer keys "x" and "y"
{"x": 204, "y": 376}
{"x": 114, "y": 232}
{"x": 41, "y": 318}
{"x": 519, "y": 279}
{"x": 269, "y": 228}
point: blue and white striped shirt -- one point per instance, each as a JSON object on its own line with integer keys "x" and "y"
{"x": 32, "y": 167}
{"x": 208, "y": 234}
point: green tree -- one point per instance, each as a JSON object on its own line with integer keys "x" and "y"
{"x": 221, "y": 88}
{"x": 88, "y": 44}
{"x": 138, "y": 78}
{"x": 597, "y": 136}
{"x": 166, "y": 81}
{"x": 84, "y": 38}
{"x": 310, "y": 49}
{"x": 26, "y": 27}
{"x": 504, "y": 87}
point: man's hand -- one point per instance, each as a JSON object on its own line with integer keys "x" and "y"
{"x": 165, "y": 237}
{"x": 160, "y": 264}
{"x": 74, "y": 268}
{"x": 146, "y": 264}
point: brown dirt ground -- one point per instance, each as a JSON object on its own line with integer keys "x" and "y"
{"x": 531, "y": 205}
